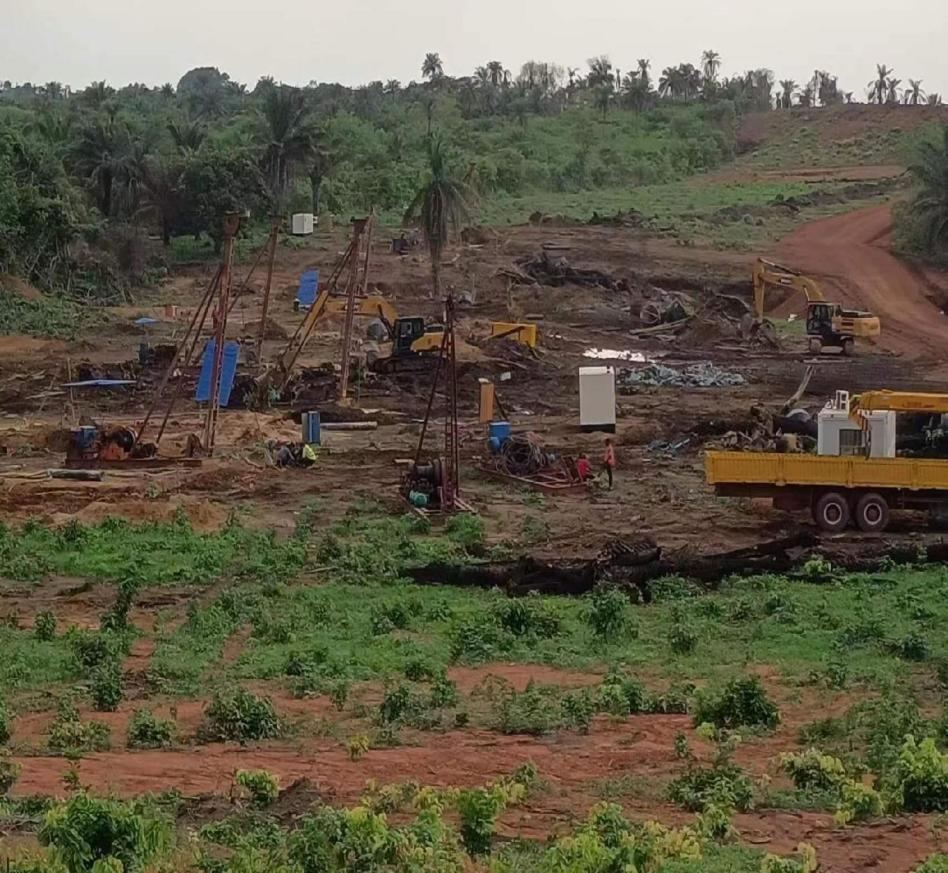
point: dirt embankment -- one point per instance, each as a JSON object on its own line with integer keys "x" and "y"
{"x": 851, "y": 254}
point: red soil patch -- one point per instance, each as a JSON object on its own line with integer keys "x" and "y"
{"x": 520, "y": 675}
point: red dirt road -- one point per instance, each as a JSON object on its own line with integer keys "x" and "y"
{"x": 851, "y": 254}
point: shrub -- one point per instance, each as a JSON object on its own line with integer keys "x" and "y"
{"x": 9, "y": 773}
{"x": 478, "y": 639}
{"x": 145, "y": 731}
{"x": 741, "y": 703}
{"x": 608, "y": 612}
{"x": 722, "y": 784}
{"x": 478, "y": 809}
{"x": 857, "y": 802}
{"x": 621, "y": 696}
{"x": 813, "y": 769}
{"x": 935, "y": 864}
{"x": 91, "y": 649}
{"x": 444, "y": 692}
{"x": 919, "y": 781}
{"x": 527, "y": 617}
{"x": 399, "y": 704}
{"x": 44, "y": 626}
{"x": 467, "y": 530}
{"x": 912, "y": 647}
{"x": 358, "y": 747}
{"x": 682, "y": 638}
{"x": 4, "y": 722}
{"x": 106, "y": 689}
{"x": 534, "y": 712}
{"x": 807, "y": 862}
{"x": 260, "y": 786}
{"x": 578, "y": 710}
{"x": 69, "y": 735}
{"x": 239, "y": 715}
{"x": 92, "y": 834}
{"x": 421, "y": 670}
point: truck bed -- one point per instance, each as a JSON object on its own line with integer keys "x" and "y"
{"x": 757, "y": 468}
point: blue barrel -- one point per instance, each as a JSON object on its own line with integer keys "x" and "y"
{"x": 85, "y": 436}
{"x": 499, "y": 430}
{"x": 311, "y": 435}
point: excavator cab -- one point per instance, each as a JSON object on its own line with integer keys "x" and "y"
{"x": 405, "y": 332}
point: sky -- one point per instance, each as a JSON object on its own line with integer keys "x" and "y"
{"x": 358, "y": 41}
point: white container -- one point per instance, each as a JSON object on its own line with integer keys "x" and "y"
{"x": 840, "y": 436}
{"x": 302, "y": 223}
{"x": 597, "y": 399}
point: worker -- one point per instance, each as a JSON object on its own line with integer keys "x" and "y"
{"x": 609, "y": 461}
{"x": 583, "y": 468}
{"x": 308, "y": 457}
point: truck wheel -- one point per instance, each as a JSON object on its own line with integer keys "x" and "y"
{"x": 831, "y": 512}
{"x": 849, "y": 348}
{"x": 816, "y": 346}
{"x": 872, "y": 513}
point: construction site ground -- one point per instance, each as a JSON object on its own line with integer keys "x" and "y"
{"x": 660, "y": 491}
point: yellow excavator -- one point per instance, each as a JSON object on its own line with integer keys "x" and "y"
{"x": 828, "y": 325}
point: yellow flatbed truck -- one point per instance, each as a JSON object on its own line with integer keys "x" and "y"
{"x": 839, "y": 490}
{"x": 843, "y": 490}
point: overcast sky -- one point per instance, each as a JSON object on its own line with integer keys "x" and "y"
{"x": 354, "y": 42}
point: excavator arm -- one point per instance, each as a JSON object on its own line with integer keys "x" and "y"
{"x": 767, "y": 275}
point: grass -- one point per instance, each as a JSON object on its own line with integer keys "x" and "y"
{"x": 360, "y": 620}
{"x": 47, "y": 316}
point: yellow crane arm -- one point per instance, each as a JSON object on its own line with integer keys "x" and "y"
{"x": 767, "y": 274}
{"x": 369, "y": 307}
{"x": 898, "y": 401}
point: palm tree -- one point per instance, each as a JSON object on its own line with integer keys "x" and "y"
{"x": 806, "y": 96}
{"x": 392, "y": 87}
{"x": 710, "y": 66}
{"x": 914, "y": 95}
{"x": 101, "y": 155}
{"x": 161, "y": 194}
{"x": 166, "y": 90}
{"x": 635, "y": 92}
{"x": 892, "y": 86}
{"x": 788, "y": 88}
{"x": 96, "y": 94}
{"x": 432, "y": 68}
{"x": 187, "y": 135}
{"x": 931, "y": 203}
{"x": 482, "y": 76}
{"x": 441, "y": 205}
{"x": 498, "y": 75}
{"x": 600, "y": 71}
{"x": 879, "y": 87}
{"x": 933, "y": 99}
{"x": 289, "y": 134}
{"x": 645, "y": 66}
{"x": 604, "y": 98}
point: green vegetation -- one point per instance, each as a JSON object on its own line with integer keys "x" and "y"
{"x": 922, "y": 226}
{"x": 146, "y": 731}
{"x": 261, "y": 788}
{"x": 239, "y": 715}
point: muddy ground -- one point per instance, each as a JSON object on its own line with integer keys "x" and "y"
{"x": 658, "y": 493}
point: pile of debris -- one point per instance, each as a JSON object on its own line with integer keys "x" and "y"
{"x": 654, "y": 375}
{"x": 629, "y": 218}
{"x": 556, "y": 272}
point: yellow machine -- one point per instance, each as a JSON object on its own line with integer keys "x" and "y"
{"x": 828, "y": 325}
{"x": 842, "y": 490}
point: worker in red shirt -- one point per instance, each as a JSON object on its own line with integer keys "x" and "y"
{"x": 583, "y": 469}
{"x": 609, "y": 461}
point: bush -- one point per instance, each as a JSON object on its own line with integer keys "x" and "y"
{"x": 534, "y": 712}
{"x": 919, "y": 781}
{"x": 578, "y": 710}
{"x": 857, "y": 802}
{"x": 106, "y": 689}
{"x": 358, "y": 747}
{"x": 741, "y": 703}
{"x": 608, "y": 612}
{"x": 71, "y": 736}
{"x": 622, "y": 696}
{"x": 467, "y": 530}
{"x": 814, "y": 770}
{"x": 723, "y": 784}
{"x": 527, "y": 617}
{"x": 807, "y": 862}
{"x": 44, "y": 626}
{"x": 92, "y": 834}
{"x": 478, "y": 809}
{"x": 9, "y": 773}
{"x": 935, "y": 864}
{"x": 239, "y": 715}
{"x": 912, "y": 647}
{"x": 682, "y": 638}
{"x": 145, "y": 731}
{"x": 4, "y": 722}
{"x": 478, "y": 639}
{"x": 260, "y": 786}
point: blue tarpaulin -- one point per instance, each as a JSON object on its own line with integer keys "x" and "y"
{"x": 228, "y": 372}
{"x": 145, "y": 321}
{"x": 309, "y": 284}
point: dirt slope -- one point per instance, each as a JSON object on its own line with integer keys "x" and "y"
{"x": 851, "y": 254}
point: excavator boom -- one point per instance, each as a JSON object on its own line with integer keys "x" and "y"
{"x": 767, "y": 274}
